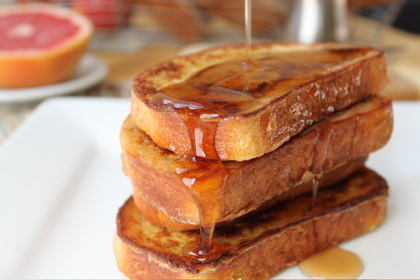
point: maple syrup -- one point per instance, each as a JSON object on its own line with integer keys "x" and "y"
{"x": 332, "y": 263}
{"x": 201, "y": 169}
{"x": 202, "y": 251}
{"x": 225, "y": 89}
{"x": 315, "y": 184}
{"x": 229, "y": 88}
{"x": 248, "y": 32}
{"x": 206, "y": 179}
{"x": 320, "y": 158}
{"x": 221, "y": 90}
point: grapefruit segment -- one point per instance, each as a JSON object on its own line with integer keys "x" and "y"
{"x": 40, "y": 44}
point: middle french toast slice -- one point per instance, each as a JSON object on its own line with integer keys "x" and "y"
{"x": 327, "y": 152}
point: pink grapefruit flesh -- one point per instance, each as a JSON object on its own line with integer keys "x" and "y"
{"x": 41, "y": 44}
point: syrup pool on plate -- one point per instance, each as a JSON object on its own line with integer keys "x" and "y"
{"x": 332, "y": 263}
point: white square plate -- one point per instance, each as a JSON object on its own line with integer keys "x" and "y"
{"x": 61, "y": 185}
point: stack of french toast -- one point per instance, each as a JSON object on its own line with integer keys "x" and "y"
{"x": 290, "y": 127}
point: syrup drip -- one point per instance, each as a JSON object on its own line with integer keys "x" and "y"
{"x": 315, "y": 183}
{"x": 232, "y": 87}
{"x": 332, "y": 263}
{"x": 248, "y": 13}
{"x": 204, "y": 100}
{"x": 204, "y": 173}
{"x": 206, "y": 179}
{"x": 202, "y": 170}
{"x": 321, "y": 158}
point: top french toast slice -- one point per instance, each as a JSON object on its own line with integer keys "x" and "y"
{"x": 311, "y": 83}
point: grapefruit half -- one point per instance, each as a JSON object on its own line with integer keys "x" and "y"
{"x": 40, "y": 44}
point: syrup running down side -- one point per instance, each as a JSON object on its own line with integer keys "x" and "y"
{"x": 248, "y": 20}
{"x": 204, "y": 173}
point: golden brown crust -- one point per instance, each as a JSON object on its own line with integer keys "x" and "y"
{"x": 345, "y": 136}
{"x": 161, "y": 219}
{"x": 267, "y": 125}
{"x": 285, "y": 234}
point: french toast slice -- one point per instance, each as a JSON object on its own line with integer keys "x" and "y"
{"x": 258, "y": 247}
{"x": 345, "y": 136}
{"x": 314, "y": 82}
{"x": 329, "y": 177}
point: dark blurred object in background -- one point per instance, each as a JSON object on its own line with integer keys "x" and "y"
{"x": 371, "y": 3}
{"x": 409, "y": 17}
{"x": 384, "y": 11}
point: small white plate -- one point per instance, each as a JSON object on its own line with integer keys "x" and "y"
{"x": 89, "y": 72}
{"x": 61, "y": 185}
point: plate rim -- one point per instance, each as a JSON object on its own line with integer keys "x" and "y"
{"x": 74, "y": 84}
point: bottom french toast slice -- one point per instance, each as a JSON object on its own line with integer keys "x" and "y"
{"x": 258, "y": 247}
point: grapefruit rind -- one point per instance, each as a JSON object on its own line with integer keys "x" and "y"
{"x": 36, "y": 67}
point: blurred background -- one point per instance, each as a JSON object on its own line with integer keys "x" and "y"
{"x": 192, "y": 20}
{"x": 140, "y": 22}
{"x": 133, "y": 34}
